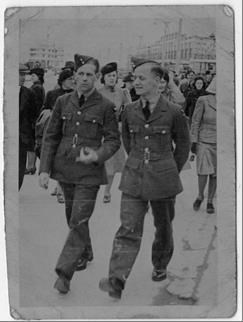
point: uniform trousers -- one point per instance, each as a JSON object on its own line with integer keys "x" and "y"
{"x": 79, "y": 205}
{"x": 128, "y": 238}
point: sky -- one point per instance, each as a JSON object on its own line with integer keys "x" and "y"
{"x": 108, "y": 33}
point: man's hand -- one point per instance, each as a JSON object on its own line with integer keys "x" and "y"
{"x": 44, "y": 180}
{"x": 87, "y": 156}
{"x": 194, "y": 148}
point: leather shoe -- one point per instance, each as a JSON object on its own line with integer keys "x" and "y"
{"x": 62, "y": 285}
{"x": 210, "y": 208}
{"x": 197, "y": 204}
{"x": 159, "y": 275}
{"x": 106, "y": 285}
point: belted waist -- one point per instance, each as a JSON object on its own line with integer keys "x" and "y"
{"x": 148, "y": 155}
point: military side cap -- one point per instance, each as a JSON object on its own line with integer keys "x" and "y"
{"x": 69, "y": 65}
{"x": 109, "y": 68}
{"x": 81, "y": 60}
{"x": 38, "y": 71}
{"x": 135, "y": 62}
{"x": 23, "y": 68}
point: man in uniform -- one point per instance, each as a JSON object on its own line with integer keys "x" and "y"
{"x": 151, "y": 175}
{"x": 81, "y": 135}
{"x": 26, "y": 118}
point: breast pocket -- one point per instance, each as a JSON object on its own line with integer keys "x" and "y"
{"x": 66, "y": 122}
{"x": 162, "y": 134}
{"x": 134, "y": 131}
{"x": 93, "y": 125}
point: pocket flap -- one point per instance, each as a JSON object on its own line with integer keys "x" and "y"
{"x": 67, "y": 116}
{"x": 160, "y": 129}
{"x": 133, "y": 128}
{"x": 93, "y": 119}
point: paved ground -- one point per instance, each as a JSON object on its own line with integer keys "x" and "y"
{"x": 43, "y": 229}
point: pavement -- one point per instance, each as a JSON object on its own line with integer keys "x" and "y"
{"x": 192, "y": 271}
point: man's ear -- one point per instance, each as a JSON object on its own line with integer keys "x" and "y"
{"x": 97, "y": 75}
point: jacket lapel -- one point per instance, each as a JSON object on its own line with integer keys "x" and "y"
{"x": 94, "y": 98}
{"x": 160, "y": 108}
{"x": 139, "y": 110}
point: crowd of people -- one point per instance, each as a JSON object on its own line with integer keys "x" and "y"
{"x": 84, "y": 134}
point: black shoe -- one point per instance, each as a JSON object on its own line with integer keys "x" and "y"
{"x": 82, "y": 262}
{"x": 159, "y": 275}
{"x": 106, "y": 285}
{"x": 210, "y": 208}
{"x": 197, "y": 204}
{"x": 62, "y": 285}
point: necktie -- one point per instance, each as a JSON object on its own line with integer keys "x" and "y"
{"x": 146, "y": 110}
{"x": 81, "y": 100}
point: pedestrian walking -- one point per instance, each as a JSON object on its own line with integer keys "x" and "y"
{"x": 150, "y": 175}
{"x": 169, "y": 89}
{"x": 81, "y": 135}
{"x": 204, "y": 145}
{"x": 65, "y": 85}
{"x": 37, "y": 77}
{"x": 198, "y": 90}
{"x": 120, "y": 97}
{"x": 26, "y": 119}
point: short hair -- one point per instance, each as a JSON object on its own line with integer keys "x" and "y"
{"x": 161, "y": 72}
{"x": 199, "y": 78}
{"x": 189, "y": 72}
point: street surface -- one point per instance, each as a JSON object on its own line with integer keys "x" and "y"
{"x": 192, "y": 272}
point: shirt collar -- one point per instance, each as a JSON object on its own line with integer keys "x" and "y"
{"x": 86, "y": 95}
{"x": 152, "y": 102}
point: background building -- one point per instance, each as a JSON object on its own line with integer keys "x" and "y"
{"x": 182, "y": 50}
{"x": 48, "y": 56}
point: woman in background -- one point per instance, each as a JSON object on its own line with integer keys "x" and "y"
{"x": 198, "y": 90}
{"x": 169, "y": 89}
{"x": 204, "y": 145}
{"x": 119, "y": 97}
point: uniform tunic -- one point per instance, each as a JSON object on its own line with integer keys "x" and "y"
{"x": 70, "y": 128}
{"x": 151, "y": 174}
{"x": 119, "y": 97}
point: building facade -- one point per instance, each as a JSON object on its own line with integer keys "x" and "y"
{"x": 48, "y": 57}
{"x": 189, "y": 52}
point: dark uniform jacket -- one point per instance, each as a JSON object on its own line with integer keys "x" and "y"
{"x": 39, "y": 92}
{"x": 52, "y": 96}
{"x": 152, "y": 168}
{"x": 26, "y": 116}
{"x": 71, "y": 127}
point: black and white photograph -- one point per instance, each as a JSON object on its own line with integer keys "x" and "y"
{"x": 120, "y": 162}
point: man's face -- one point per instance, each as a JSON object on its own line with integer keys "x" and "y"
{"x": 145, "y": 83}
{"x": 190, "y": 76}
{"x": 86, "y": 77}
{"x": 21, "y": 78}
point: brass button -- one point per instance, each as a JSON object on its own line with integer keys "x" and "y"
{"x": 146, "y": 137}
{"x": 77, "y": 123}
{"x": 146, "y": 161}
{"x": 146, "y": 126}
{"x": 164, "y": 132}
{"x": 146, "y": 149}
{"x": 94, "y": 121}
{"x": 79, "y": 113}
